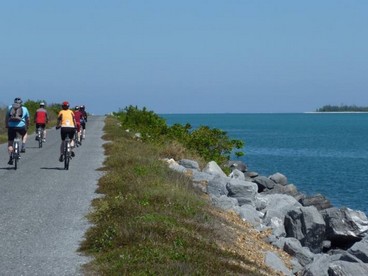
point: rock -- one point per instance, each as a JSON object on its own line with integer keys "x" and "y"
{"x": 306, "y": 224}
{"x": 319, "y": 201}
{"x": 360, "y": 250}
{"x": 225, "y": 203}
{"x": 279, "y": 178}
{"x": 250, "y": 214}
{"x": 293, "y": 247}
{"x": 264, "y": 183}
{"x": 344, "y": 226}
{"x": 238, "y": 165}
{"x": 189, "y": 164}
{"x": 217, "y": 186}
{"x": 213, "y": 168}
{"x": 244, "y": 191}
{"x": 236, "y": 174}
{"x": 274, "y": 261}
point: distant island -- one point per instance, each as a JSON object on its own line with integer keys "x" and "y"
{"x": 342, "y": 108}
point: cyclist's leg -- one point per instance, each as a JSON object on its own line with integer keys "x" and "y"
{"x": 11, "y": 136}
{"x": 71, "y": 133}
{"x": 44, "y": 132}
{"x": 24, "y": 134}
{"x": 63, "y": 136}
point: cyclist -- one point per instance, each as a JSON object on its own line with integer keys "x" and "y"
{"x": 16, "y": 121}
{"x": 77, "y": 116}
{"x": 83, "y": 121}
{"x": 66, "y": 122}
{"x": 41, "y": 119}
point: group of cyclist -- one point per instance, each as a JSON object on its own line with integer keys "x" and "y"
{"x": 69, "y": 122}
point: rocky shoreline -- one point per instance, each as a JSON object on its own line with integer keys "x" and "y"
{"x": 322, "y": 239}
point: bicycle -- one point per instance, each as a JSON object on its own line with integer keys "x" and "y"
{"x": 67, "y": 153}
{"x": 15, "y": 155}
{"x": 40, "y": 137}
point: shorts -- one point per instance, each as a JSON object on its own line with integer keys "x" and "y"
{"x": 43, "y": 126}
{"x": 67, "y": 131}
{"x": 12, "y": 132}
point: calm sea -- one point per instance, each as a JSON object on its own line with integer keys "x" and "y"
{"x": 319, "y": 153}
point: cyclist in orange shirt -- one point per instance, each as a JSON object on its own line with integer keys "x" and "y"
{"x": 66, "y": 122}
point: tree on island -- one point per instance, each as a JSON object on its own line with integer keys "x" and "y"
{"x": 342, "y": 108}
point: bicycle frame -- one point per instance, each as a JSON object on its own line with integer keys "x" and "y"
{"x": 67, "y": 153}
{"x": 40, "y": 136}
{"x": 15, "y": 153}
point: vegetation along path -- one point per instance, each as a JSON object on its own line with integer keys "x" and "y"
{"x": 43, "y": 207}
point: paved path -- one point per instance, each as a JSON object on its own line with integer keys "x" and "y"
{"x": 43, "y": 206}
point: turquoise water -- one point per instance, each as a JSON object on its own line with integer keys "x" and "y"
{"x": 319, "y": 153}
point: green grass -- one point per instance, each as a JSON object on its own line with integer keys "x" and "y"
{"x": 150, "y": 221}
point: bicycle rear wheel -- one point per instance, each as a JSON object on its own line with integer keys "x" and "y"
{"x": 66, "y": 154}
{"x": 16, "y": 154}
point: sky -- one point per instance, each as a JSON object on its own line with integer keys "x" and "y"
{"x": 192, "y": 56}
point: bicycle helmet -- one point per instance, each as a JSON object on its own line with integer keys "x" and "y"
{"x": 65, "y": 105}
{"x": 42, "y": 104}
{"x": 18, "y": 100}
{"x": 82, "y": 107}
{"x": 76, "y": 108}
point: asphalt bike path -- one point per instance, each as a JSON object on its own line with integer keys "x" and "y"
{"x": 43, "y": 206}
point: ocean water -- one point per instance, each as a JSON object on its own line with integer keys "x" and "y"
{"x": 324, "y": 153}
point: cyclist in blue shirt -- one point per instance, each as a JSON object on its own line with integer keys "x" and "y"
{"x": 16, "y": 121}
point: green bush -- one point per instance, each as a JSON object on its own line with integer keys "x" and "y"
{"x": 209, "y": 143}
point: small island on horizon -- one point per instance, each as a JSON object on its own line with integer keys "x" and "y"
{"x": 342, "y": 108}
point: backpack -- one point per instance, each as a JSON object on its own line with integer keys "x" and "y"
{"x": 16, "y": 113}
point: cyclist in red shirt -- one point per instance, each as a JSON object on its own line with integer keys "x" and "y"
{"x": 83, "y": 121}
{"x": 41, "y": 119}
{"x": 78, "y": 116}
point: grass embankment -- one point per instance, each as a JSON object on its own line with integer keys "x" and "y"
{"x": 150, "y": 221}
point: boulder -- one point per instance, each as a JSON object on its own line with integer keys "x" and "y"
{"x": 238, "y": 165}
{"x": 213, "y": 168}
{"x": 244, "y": 191}
{"x": 307, "y": 225}
{"x": 217, "y": 186}
{"x": 236, "y": 174}
{"x": 189, "y": 164}
{"x": 279, "y": 178}
{"x": 318, "y": 201}
{"x": 344, "y": 226}
{"x": 264, "y": 183}
{"x": 225, "y": 203}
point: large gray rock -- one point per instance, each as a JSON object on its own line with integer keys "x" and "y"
{"x": 344, "y": 226}
{"x": 238, "y": 165}
{"x": 250, "y": 214}
{"x": 318, "y": 201}
{"x": 339, "y": 268}
{"x": 264, "y": 183}
{"x": 217, "y": 186}
{"x": 360, "y": 250}
{"x": 279, "y": 178}
{"x": 293, "y": 247}
{"x": 213, "y": 168}
{"x": 276, "y": 205}
{"x": 236, "y": 174}
{"x": 244, "y": 191}
{"x": 225, "y": 203}
{"x": 189, "y": 164}
{"x": 307, "y": 225}
{"x": 274, "y": 261}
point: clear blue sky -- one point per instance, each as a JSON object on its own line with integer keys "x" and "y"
{"x": 190, "y": 56}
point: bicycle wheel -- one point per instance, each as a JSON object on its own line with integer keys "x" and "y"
{"x": 40, "y": 138}
{"x": 16, "y": 154}
{"x": 66, "y": 154}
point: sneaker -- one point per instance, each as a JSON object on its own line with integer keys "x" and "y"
{"x": 23, "y": 150}
{"x": 10, "y": 162}
{"x": 72, "y": 153}
{"x": 44, "y": 140}
{"x": 61, "y": 158}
